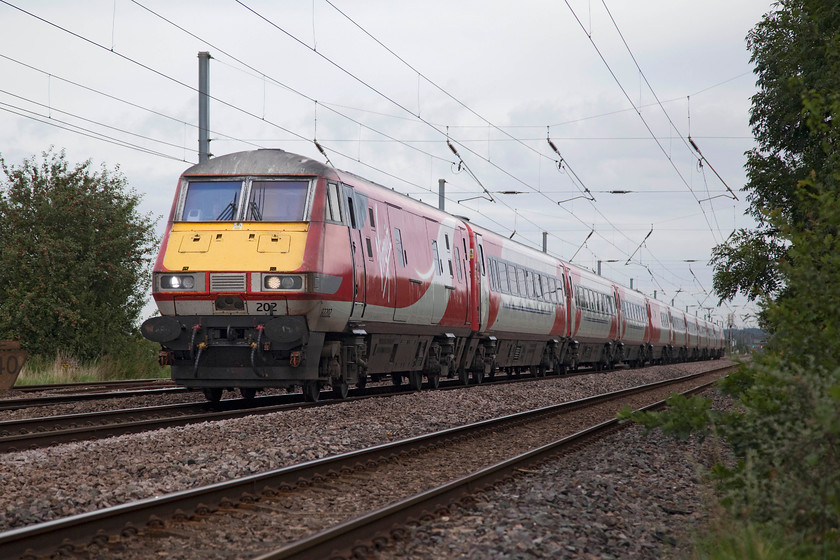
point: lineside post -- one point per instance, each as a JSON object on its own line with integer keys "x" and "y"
{"x": 203, "y": 106}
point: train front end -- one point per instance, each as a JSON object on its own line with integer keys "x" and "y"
{"x": 241, "y": 280}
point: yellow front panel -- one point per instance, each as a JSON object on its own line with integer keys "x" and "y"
{"x": 236, "y": 246}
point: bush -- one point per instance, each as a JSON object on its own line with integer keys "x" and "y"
{"x": 77, "y": 258}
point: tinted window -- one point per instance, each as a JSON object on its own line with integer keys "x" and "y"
{"x": 277, "y": 201}
{"x": 211, "y": 201}
{"x": 401, "y": 256}
{"x": 333, "y": 205}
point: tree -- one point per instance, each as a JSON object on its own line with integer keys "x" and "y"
{"x": 76, "y": 256}
{"x": 785, "y": 431}
{"x": 794, "y": 49}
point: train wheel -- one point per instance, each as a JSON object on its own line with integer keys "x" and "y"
{"x": 248, "y": 393}
{"x": 434, "y": 381}
{"x": 311, "y": 391}
{"x": 541, "y": 371}
{"x": 396, "y": 379}
{"x": 478, "y": 376}
{"x": 213, "y": 394}
{"x": 340, "y": 389}
{"x": 464, "y": 376}
{"x": 415, "y": 380}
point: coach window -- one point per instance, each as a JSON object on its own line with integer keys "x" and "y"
{"x": 458, "y": 263}
{"x": 436, "y": 256}
{"x": 515, "y": 276}
{"x": 503, "y": 278}
{"x": 351, "y": 211}
{"x": 401, "y": 255}
{"x": 277, "y": 201}
{"x": 529, "y": 287}
{"x": 211, "y": 201}
{"x": 333, "y": 203}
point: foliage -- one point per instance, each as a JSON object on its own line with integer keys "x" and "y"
{"x": 686, "y": 416}
{"x": 81, "y": 257}
{"x": 788, "y": 442}
{"x": 785, "y": 487}
{"x": 786, "y": 434}
{"x": 744, "y": 542}
{"x": 794, "y": 49}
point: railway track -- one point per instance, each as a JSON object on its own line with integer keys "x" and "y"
{"x": 45, "y": 431}
{"x": 329, "y": 504}
{"x": 96, "y": 386}
{"x": 65, "y": 398}
{"x": 68, "y": 393}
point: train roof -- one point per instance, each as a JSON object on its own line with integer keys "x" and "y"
{"x": 266, "y": 161}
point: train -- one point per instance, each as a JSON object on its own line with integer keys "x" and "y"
{"x": 278, "y": 271}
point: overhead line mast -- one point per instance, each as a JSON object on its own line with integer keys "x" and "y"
{"x": 203, "y": 106}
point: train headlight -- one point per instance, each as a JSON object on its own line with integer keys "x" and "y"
{"x": 282, "y": 282}
{"x": 177, "y": 282}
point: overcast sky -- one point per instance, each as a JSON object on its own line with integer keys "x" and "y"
{"x": 617, "y": 86}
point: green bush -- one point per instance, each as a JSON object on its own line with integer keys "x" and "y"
{"x": 77, "y": 256}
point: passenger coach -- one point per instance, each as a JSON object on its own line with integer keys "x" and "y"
{"x": 276, "y": 270}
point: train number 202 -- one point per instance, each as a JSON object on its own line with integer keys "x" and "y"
{"x": 267, "y": 307}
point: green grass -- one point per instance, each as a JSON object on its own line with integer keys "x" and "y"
{"x": 738, "y": 541}
{"x": 136, "y": 362}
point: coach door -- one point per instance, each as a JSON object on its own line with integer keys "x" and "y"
{"x": 481, "y": 282}
{"x": 461, "y": 258}
{"x": 356, "y": 214}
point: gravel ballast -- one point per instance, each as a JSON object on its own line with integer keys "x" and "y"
{"x": 624, "y": 497}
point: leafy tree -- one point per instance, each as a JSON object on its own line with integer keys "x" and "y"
{"x": 785, "y": 487}
{"x": 76, "y": 257}
{"x": 794, "y": 49}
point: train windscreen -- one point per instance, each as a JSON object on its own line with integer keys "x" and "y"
{"x": 211, "y": 201}
{"x": 277, "y": 201}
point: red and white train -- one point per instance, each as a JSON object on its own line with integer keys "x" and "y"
{"x": 276, "y": 270}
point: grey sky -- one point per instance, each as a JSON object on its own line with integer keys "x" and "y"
{"x": 497, "y": 77}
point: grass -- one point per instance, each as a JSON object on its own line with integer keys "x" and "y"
{"x": 735, "y": 540}
{"x": 138, "y": 362}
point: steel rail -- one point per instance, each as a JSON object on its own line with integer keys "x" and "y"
{"x": 344, "y": 539}
{"x": 44, "y": 537}
{"x": 15, "y": 404}
{"x": 45, "y": 431}
{"x": 87, "y": 385}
